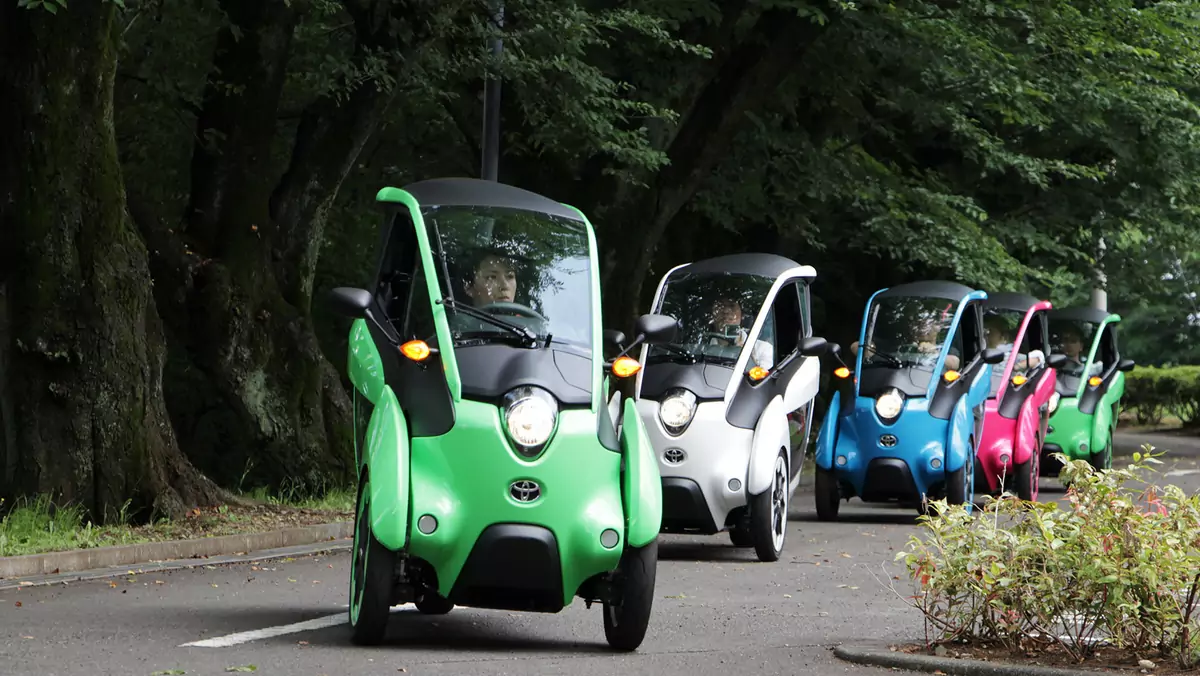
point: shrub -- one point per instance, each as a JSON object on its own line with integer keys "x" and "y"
{"x": 1117, "y": 565}
{"x": 1152, "y": 392}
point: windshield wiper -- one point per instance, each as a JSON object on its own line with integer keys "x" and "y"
{"x": 522, "y": 332}
{"x": 890, "y": 359}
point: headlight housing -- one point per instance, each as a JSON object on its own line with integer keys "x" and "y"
{"x": 676, "y": 410}
{"x": 1054, "y": 397}
{"x": 889, "y": 404}
{"x": 530, "y": 416}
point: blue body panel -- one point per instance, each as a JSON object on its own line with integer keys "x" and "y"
{"x": 921, "y": 438}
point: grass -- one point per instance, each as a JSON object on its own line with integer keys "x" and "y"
{"x": 37, "y": 526}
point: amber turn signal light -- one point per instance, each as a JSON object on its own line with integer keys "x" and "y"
{"x": 624, "y": 367}
{"x": 1019, "y": 380}
{"x": 951, "y": 375}
{"x": 416, "y": 350}
{"x": 1094, "y": 381}
{"x": 757, "y": 373}
{"x": 841, "y": 372}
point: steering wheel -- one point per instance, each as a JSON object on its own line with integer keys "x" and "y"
{"x": 505, "y": 308}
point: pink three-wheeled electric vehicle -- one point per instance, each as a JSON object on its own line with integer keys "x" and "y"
{"x": 1018, "y": 408}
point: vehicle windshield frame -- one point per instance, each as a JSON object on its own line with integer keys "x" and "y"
{"x": 706, "y": 287}
{"x": 1001, "y": 372}
{"x": 536, "y": 247}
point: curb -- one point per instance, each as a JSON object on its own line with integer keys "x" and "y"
{"x": 56, "y": 564}
{"x": 881, "y": 656}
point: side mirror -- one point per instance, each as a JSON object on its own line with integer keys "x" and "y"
{"x": 614, "y": 337}
{"x": 993, "y": 356}
{"x": 1126, "y": 365}
{"x": 835, "y": 349}
{"x": 814, "y": 346}
{"x": 350, "y": 302}
{"x": 657, "y": 329}
{"x": 1056, "y": 360}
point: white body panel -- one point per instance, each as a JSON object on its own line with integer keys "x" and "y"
{"x": 715, "y": 452}
{"x": 770, "y": 437}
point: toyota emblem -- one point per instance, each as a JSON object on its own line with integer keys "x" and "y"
{"x": 887, "y": 440}
{"x": 674, "y": 456}
{"x": 525, "y": 490}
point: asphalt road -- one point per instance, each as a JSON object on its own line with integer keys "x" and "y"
{"x": 717, "y": 611}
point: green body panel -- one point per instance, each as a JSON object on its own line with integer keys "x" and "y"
{"x": 387, "y": 456}
{"x": 1072, "y": 427}
{"x": 643, "y": 484}
{"x": 442, "y": 326}
{"x": 365, "y": 368}
{"x": 462, "y": 478}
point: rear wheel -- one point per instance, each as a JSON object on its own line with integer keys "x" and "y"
{"x": 828, "y": 494}
{"x": 432, "y": 603}
{"x": 769, "y": 514}
{"x": 625, "y": 624}
{"x": 370, "y": 577}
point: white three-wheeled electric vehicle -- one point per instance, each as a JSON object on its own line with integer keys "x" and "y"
{"x": 728, "y": 406}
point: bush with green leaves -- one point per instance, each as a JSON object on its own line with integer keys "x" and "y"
{"x": 1119, "y": 565}
{"x": 1152, "y": 393}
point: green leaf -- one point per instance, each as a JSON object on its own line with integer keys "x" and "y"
{"x": 248, "y": 667}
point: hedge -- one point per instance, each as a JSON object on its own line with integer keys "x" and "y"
{"x": 1152, "y": 392}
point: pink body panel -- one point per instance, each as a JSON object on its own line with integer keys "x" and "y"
{"x": 1020, "y": 438}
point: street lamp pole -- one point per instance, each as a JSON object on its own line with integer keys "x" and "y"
{"x": 490, "y": 170}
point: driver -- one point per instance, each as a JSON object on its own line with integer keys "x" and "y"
{"x": 727, "y": 313}
{"x": 494, "y": 279}
{"x": 1071, "y": 341}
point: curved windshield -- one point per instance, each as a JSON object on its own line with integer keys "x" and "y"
{"x": 715, "y": 311}
{"x": 1073, "y": 337}
{"x": 514, "y": 275}
{"x": 906, "y": 334}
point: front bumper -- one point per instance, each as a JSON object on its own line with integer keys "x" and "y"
{"x": 699, "y": 466}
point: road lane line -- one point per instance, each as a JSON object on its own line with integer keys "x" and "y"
{"x": 247, "y": 636}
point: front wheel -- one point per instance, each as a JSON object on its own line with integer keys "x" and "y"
{"x": 625, "y": 624}
{"x": 960, "y": 484}
{"x": 828, "y": 494}
{"x": 769, "y": 514}
{"x": 370, "y": 577}
{"x": 1027, "y": 476}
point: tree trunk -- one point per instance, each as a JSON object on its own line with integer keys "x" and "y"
{"x": 82, "y": 351}
{"x": 256, "y": 399}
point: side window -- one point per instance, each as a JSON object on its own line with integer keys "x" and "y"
{"x": 396, "y": 266}
{"x": 781, "y": 330}
{"x": 1106, "y": 356}
{"x": 970, "y": 334}
{"x": 418, "y": 323}
{"x": 806, "y": 309}
{"x": 764, "y": 352}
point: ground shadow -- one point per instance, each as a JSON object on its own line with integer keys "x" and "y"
{"x": 460, "y": 630}
{"x": 719, "y": 549}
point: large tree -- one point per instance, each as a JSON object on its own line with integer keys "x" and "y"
{"x": 81, "y": 342}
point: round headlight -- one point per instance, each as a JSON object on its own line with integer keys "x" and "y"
{"x": 676, "y": 410}
{"x": 1054, "y": 402}
{"x": 529, "y": 417}
{"x": 888, "y": 404}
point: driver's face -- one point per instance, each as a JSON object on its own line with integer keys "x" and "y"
{"x": 495, "y": 281}
{"x": 1072, "y": 345}
{"x": 727, "y": 312}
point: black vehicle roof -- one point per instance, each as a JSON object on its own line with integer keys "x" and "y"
{"x": 765, "y": 264}
{"x": 933, "y": 289}
{"x": 461, "y": 191}
{"x": 1080, "y": 313}
{"x": 1007, "y": 300}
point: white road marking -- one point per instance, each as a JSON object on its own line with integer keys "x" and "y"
{"x": 1182, "y": 472}
{"x": 248, "y": 636}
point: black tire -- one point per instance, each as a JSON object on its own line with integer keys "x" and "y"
{"x": 625, "y": 625}
{"x": 1103, "y": 459}
{"x": 769, "y": 513}
{"x": 960, "y": 484}
{"x": 371, "y": 577}
{"x": 1026, "y": 478}
{"x": 433, "y": 603}
{"x": 828, "y": 494}
{"x": 741, "y": 537}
